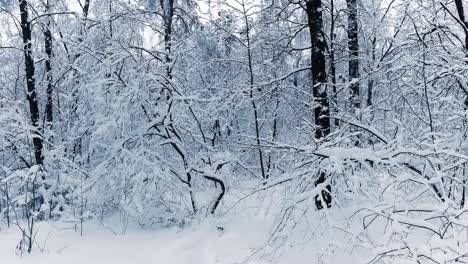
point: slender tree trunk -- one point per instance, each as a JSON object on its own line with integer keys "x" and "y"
{"x": 353, "y": 47}
{"x": 30, "y": 81}
{"x": 274, "y": 134}
{"x": 332, "y": 61}
{"x": 370, "y": 83}
{"x": 168, "y": 13}
{"x": 48, "y": 68}
{"x": 251, "y": 82}
{"x": 85, "y": 10}
{"x": 77, "y": 145}
{"x": 111, "y": 27}
{"x": 461, "y": 15}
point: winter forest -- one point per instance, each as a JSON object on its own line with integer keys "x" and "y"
{"x": 233, "y": 131}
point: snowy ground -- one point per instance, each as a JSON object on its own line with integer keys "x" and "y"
{"x": 245, "y": 231}
{"x": 203, "y": 245}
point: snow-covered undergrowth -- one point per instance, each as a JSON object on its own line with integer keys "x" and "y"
{"x": 264, "y": 227}
{"x": 243, "y": 234}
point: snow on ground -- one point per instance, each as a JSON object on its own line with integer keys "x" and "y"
{"x": 203, "y": 245}
{"x": 246, "y": 228}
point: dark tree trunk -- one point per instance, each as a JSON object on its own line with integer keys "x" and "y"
{"x": 332, "y": 61}
{"x": 319, "y": 89}
{"x": 353, "y": 47}
{"x": 464, "y": 24}
{"x": 461, "y": 15}
{"x": 326, "y": 193}
{"x": 370, "y": 83}
{"x": 319, "y": 78}
{"x": 48, "y": 68}
{"x": 30, "y": 81}
{"x": 251, "y": 93}
{"x": 86, "y": 9}
{"x": 220, "y": 195}
{"x": 168, "y": 13}
{"x": 370, "y": 88}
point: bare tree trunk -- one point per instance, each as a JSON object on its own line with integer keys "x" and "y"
{"x": 85, "y": 10}
{"x": 461, "y": 16}
{"x": 30, "y": 81}
{"x": 353, "y": 47}
{"x": 319, "y": 77}
{"x": 322, "y": 108}
{"x": 254, "y": 105}
{"x": 48, "y": 68}
{"x": 370, "y": 83}
{"x": 168, "y": 13}
{"x": 220, "y": 195}
{"x": 464, "y": 25}
{"x": 332, "y": 60}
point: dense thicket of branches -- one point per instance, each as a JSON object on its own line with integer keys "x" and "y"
{"x": 157, "y": 109}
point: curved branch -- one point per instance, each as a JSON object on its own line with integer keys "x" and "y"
{"x": 221, "y": 194}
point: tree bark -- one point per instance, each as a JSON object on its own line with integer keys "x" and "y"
{"x": 353, "y": 47}
{"x": 319, "y": 89}
{"x": 251, "y": 95}
{"x": 30, "y": 81}
{"x": 370, "y": 83}
{"x": 332, "y": 61}
{"x": 319, "y": 78}
{"x": 48, "y": 68}
{"x": 220, "y": 195}
{"x": 461, "y": 15}
{"x": 168, "y": 13}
